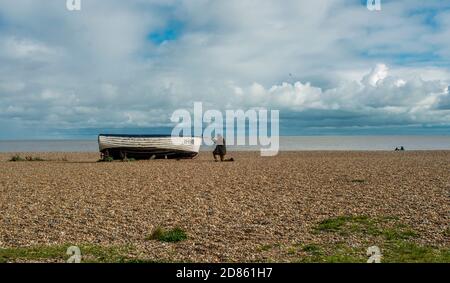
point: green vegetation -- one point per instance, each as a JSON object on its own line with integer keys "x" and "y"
{"x": 348, "y": 224}
{"x": 399, "y": 234}
{"x": 169, "y": 236}
{"x": 17, "y": 158}
{"x": 393, "y": 252}
{"x": 312, "y": 249}
{"x": 111, "y": 159}
{"x": 268, "y": 247}
{"x": 90, "y": 254}
{"x": 331, "y": 254}
{"x": 396, "y": 241}
{"x": 32, "y": 253}
{"x": 404, "y": 251}
{"x": 107, "y": 159}
{"x": 265, "y": 248}
{"x": 387, "y": 227}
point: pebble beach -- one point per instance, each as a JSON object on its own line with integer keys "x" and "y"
{"x": 252, "y": 210}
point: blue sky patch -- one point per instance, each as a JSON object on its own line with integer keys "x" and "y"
{"x": 172, "y": 31}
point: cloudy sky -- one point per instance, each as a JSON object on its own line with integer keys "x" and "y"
{"x": 329, "y": 66}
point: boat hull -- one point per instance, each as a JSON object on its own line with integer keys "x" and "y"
{"x": 148, "y": 147}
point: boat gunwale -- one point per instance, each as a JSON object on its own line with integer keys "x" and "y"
{"x": 144, "y": 136}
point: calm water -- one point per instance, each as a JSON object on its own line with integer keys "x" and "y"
{"x": 286, "y": 143}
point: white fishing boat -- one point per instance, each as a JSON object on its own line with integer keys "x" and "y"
{"x": 148, "y": 146}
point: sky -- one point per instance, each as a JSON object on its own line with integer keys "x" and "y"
{"x": 331, "y": 67}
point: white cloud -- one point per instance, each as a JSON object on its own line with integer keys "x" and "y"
{"x": 378, "y": 74}
{"x": 24, "y": 49}
{"x": 323, "y": 58}
{"x": 414, "y": 99}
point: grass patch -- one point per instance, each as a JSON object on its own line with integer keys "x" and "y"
{"x": 33, "y": 253}
{"x": 382, "y": 226}
{"x": 57, "y": 253}
{"x": 268, "y": 247}
{"x": 399, "y": 234}
{"x": 393, "y": 252}
{"x": 395, "y": 239}
{"x": 17, "y": 158}
{"x": 345, "y": 224}
{"x": 265, "y": 248}
{"x": 169, "y": 236}
{"x": 292, "y": 250}
{"x": 407, "y": 252}
{"x": 312, "y": 249}
{"x": 30, "y": 158}
{"x": 331, "y": 254}
{"x": 107, "y": 159}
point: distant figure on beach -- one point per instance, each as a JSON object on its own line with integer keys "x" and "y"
{"x": 397, "y": 149}
{"x": 221, "y": 149}
{"x": 402, "y": 149}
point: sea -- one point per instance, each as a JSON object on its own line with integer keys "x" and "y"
{"x": 287, "y": 143}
